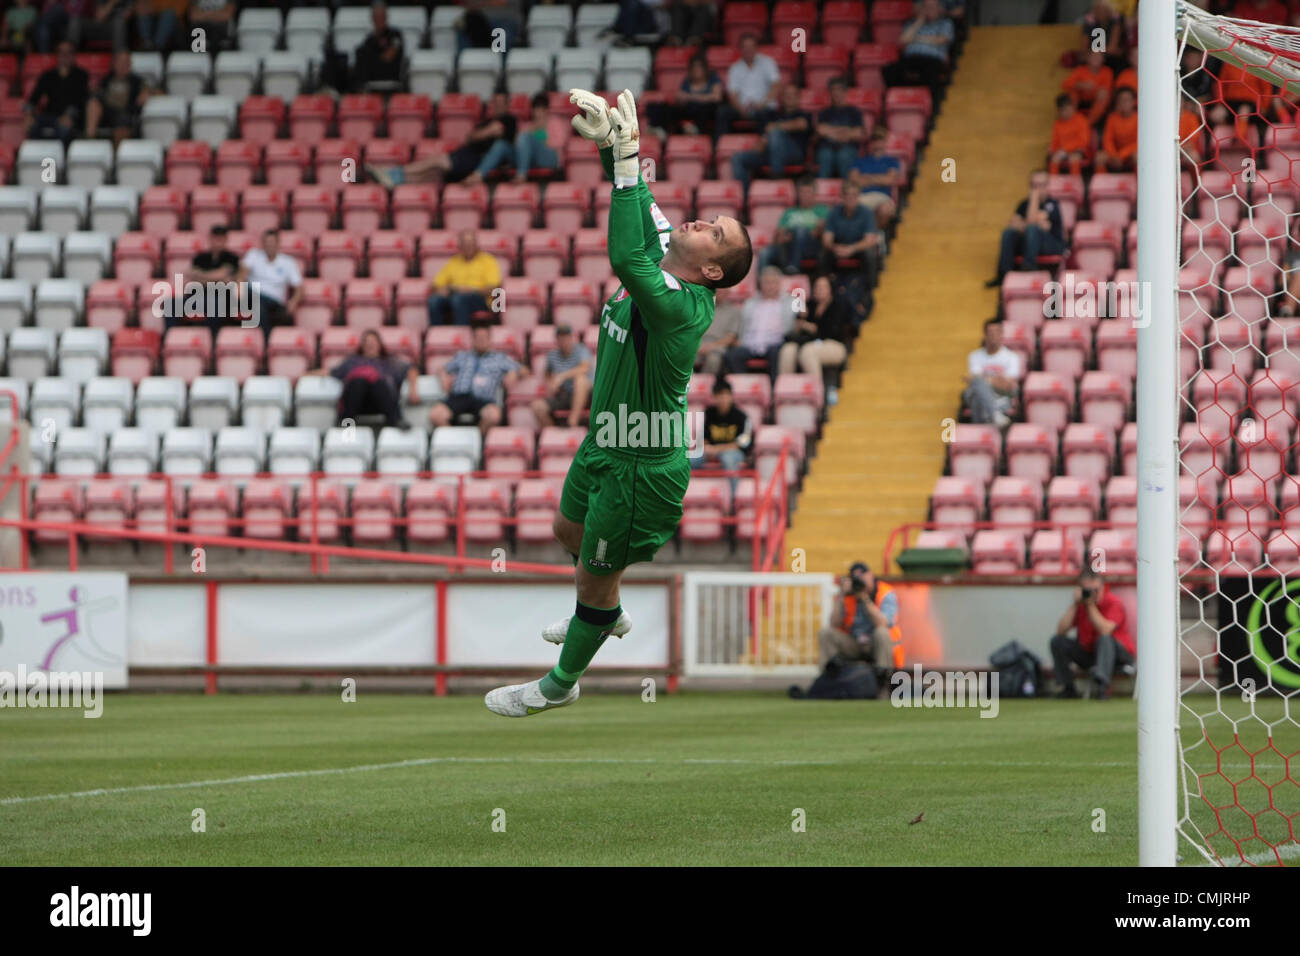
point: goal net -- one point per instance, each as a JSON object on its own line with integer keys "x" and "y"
{"x": 1238, "y": 375}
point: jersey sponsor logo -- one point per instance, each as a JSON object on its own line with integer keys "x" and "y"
{"x": 616, "y": 332}
{"x": 602, "y": 546}
{"x": 620, "y": 295}
{"x": 660, "y": 220}
{"x": 671, "y": 281}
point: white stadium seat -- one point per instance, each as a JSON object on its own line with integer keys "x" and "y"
{"x": 15, "y": 303}
{"x": 212, "y": 119}
{"x": 59, "y": 303}
{"x": 293, "y": 451}
{"x": 64, "y": 209}
{"x": 456, "y": 449}
{"x": 236, "y": 74}
{"x": 284, "y": 72}
{"x": 267, "y": 402}
{"x": 106, "y": 403}
{"x": 83, "y": 353}
{"x": 430, "y": 71}
{"x": 35, "y": 256}
{"x": 348, "y": 451}
{"x": 478, "y": 71}
{"x": 214, "y": 402}
{"x": 39, "y": 160}
{"x": 240, "y": 451}
{"x": 187, "y": 451}
{"x": 316, "y": 400}
{"x": 259, "y": 30}
{"x": 162, "y": 119}
{"x": 31, "y": 353}
{"x": 18, "y": 208}
{"x": 78, "y": 452}
{"x": 55, "y": 401}
{"x": 139, "y": 162}
{"x": 87, "y": 256}
{"x": 401, "y": 452}
{"x": 160, "y": 403}
{"x": 113, "y": 209}
{"x": 188, "y": 74}
{"x": 133, "y": 451}
{"x": 90, "y": 162}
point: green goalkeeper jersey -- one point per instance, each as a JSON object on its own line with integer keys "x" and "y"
{"x": 650, "y": 332}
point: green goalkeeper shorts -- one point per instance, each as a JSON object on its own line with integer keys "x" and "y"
{"x": 629, "y": 507}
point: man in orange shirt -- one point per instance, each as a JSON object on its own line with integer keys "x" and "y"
{"x": 1118, "y": 151}
{"x": 1090, "y": 85}
{"x": 1071, "y": 138}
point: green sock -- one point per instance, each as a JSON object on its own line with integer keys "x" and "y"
{"x": 588, "y": 629}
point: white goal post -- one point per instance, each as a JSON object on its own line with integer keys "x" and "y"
{"x": 1218, "y": 534}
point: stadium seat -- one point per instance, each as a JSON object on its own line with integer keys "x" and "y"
{"x": 1088, "y": 451}
{"x": 998, "y": 552}
{"x": 186, "y": 352}
{"x": 797, "y": 402}
{"x": 706, "y": 510}
{"x": 55, "y": 404}
{"x": 293, "y": 452}
{"x": 55, "y": 501}
{"x": 160, "y": 403}
{"x": 366, "y": 303}
{"x": 1031, "y": 451}
{"x": 284, "y": 73}
{"x": 186, "y": 451}
{"x": 546, "y": 253}
{"x": 89, "y": 163}
{"x": 267, "y": 401}
{"x": 1104, "y": 399}
{"x": 1015, "y": 502}
{"x": 214, "y": 402}
{"x": 239, "y": 451}
{"x": 133, "y": 451}
{"x": 1073, "y": 501}
{"x": 106, "y": 403}
{"x": 1048, "y": 399}
{"x": 1053, "y": 551}
{"x": 58, "y": 304}
{"x": 1066, "y": 347}
{"x": 957, "y": 502}
{"x": 455, "y": 449}
{"x": 35, "y": 256}
{"x": 401, "y": 452}
{"x": 974, "y": 452}
{"x": 413, "y": 208}
{"x": 408, "y": 117}
{"x": 316, "y": 399}
{"x": 31, "y": 353}
{"x": 430, "y": 71}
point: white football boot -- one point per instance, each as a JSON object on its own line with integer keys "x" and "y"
{"x": 558, "y": 631}
{"x": 521, "y": 700}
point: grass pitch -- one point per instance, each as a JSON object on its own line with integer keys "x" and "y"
{"x": 691, "y": 779}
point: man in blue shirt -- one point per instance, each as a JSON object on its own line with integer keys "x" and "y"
{"x": 878, "y": 176}
{"x": 473, "y": 380}
{"x": 851, "y": 234}
{"x": 925, "y": 42}
{"x": 786, "y": 132}
{"x": 839, "y": 134}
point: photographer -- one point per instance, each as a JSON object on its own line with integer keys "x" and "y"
{"x": 864, "y": 622}
{"x": 1102, "y": 641}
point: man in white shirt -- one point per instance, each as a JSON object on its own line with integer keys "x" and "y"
{"x": 277, "y": 281}
{"x": 992, "y": 380}
{"x": 752, "y": 83}
{"x": 766, "y": 320}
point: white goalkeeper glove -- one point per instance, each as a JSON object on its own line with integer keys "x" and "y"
{"x": 627, "y": 140}
{"x": 593, "y": 122}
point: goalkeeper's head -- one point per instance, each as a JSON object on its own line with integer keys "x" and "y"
{"x": 715, "y": 254}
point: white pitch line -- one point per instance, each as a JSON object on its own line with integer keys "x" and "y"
{"x": 429, "y": 761}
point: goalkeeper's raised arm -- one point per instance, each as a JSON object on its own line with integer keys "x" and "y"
{"x": 715, "y": 254}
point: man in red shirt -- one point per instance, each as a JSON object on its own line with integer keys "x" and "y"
{"x": 1103, "y": 639}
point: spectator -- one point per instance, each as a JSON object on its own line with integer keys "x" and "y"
{"x": 462, "y": 286}
{"x": 992, "y": 379}
{"x": 63, "y": 20}
{"x": 1127, "y": 75}
{"x": 751, "y": 85}
{"x": 878, "y": 176}
{"x": 472, "y": 382}
{"x": 1102, "y": 639}
{"x": 19, "y": 31}
{"x": 1090, "y": 85}
{"x": 766, "y": 320}
{"x": 372, "y": 382}
{"x": 638, "y": 21}
{"x": 839, "y": 130}
{"x": 1035, "y": 230}
{"x": 721, "y": 335}
{"x": 726, "y": 435}
{"x": 1113, "y": 35}
{"x": 531, "y": 148}
{"x": 477, "y": 28}
{"x": 925, "y": 42}
{"x": 863, "y": 622}
{"x": 786, "y": 132}
{"x": 851, "y": 239}
{"x": 692, "y": 22}
{"x": 275, "y": 279}
{"x": 1119, "y": 142}
{"x": 818, "y": 346}
{"x": 380, "y": 58}
{"x": 694, "y": 109}
{"x": 214, "y": 17}
{"x": 57, "y": 105}
{"x": 158, "y": 21}
{"x": 798, "y": 233}
{"x": 1071, "y": 138}
{"x": 118, "y": 101}
{"x": 216, "y": 264}
{"x": 488, "y": 145}
{"x": 568, "y": 379}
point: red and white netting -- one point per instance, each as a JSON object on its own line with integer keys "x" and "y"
{"x": 1239, "y": 552}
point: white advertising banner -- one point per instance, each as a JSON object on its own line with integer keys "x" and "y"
{"x": 64, "y": 622}
{"x": 326, "y": 625}
{"x": 497, "y": 623}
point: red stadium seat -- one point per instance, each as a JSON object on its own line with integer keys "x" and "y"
{"x": 1104, "y": 399}
{"x": 390, "y": 255}
{"x": 238, "y": 163}
{"x": 134, "y": 354}
{"x": 260, "y": 118}
{"x": 741, "y": 18}
{"x": 823, "y": 62}
{"x": 565, "y": 207}
{"x": 262, "y": 208}
{"x": 364, "y": 209}
{"x": 525, "y": 302}
{"x": 728, "y": 146}
{"x": 137, "y": 257}
{"x": 508, "y": 450}
{"x": 55, "y": 500}
{"x": 957, "y": 502}
{"x": 706, "y": 507}
{"x": 359, "y": 116}
{"x": 887, "y": 19}
{"x": 366, "y": 304}
{"x": 337, "y": 162}
{"x": 458, "y": 113}
{"x": 1073, "y": 501}
{"x": 1015, "y": 502}
{"x": 907, "y": 110}
{"x": 502, "y": 244}
{"x": 310, "y": 117}
{"x": 290, "y": 352}
{"x": 797, "y": 401}
{"x": 409, "y": 116}
{"x": 1056, "y": 552}
{"x": 187, "y": 352}
{"x": 239, "y": 352}
{"x": 162, "y": 209}
{"x": 387, "y": 152}
{"x": 375, "y": 507}
{"x": 842, "y": 22}
{"x": 574, "y": 301}
{"x": 336, "y": 344}
{"x": 435, "y": 249}
{"x": 1066, "y": 347}
{"x": 768, "y": 200}
{"x": 713, "y": 199}
{"x": 514, "y": 206}
{"x": 688, "y": 159}
{"x": 536, "y": 502}
{"x": 267, "y": 507}
{"x": 211, "y": 206}
{"x": 998, "y": 552}
{"x": 320, "y": 304}
{"x": 869, "y": 61}
{"x": 188, "y": 163}
{"x": 430, "y": 506}
{"x": 109, "y": 304}
{"x": 1088, "y": 451}
{"x": 974, "y": 452}
{"x": 556, "y": 447}
{"x": 286, "y": 162}
{"x": 313, "y": 208}
{"x": 441, "y": 342}
{"x": 591, "y": 255}
{"x": 411, "y": 303}
{"x": 1113, "y": 197}
{"x": 414, "y": 207}
{"x": 1032, "y": 451}
{"x": 508, "y": 340}
{"x": 1048, "y": 399}
{"x": 463, "y": 206}
{"x": 338, "y": 256}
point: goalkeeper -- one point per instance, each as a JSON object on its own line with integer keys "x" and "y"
{"x": 622, "y": 497}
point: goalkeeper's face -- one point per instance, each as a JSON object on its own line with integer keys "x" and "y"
{"x": 702, "y": 246}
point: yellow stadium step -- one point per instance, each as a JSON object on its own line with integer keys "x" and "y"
{"x": 882, "y": 448}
